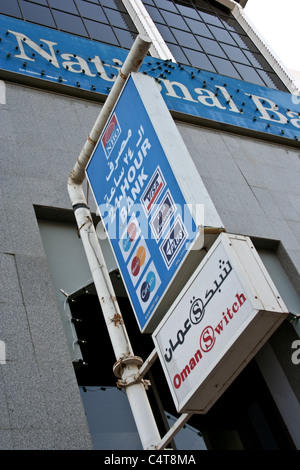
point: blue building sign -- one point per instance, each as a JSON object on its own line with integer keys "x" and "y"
{"x": 47, "y": 57}
{"x": 140, "y": 201}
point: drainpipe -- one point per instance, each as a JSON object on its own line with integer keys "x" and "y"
{"x": 127, "y": 364}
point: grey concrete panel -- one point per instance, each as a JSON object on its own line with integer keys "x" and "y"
{"x": 4, "y": 416}
{"x": 33, "y": 439}
{"x": 24, "y": 395}
{"x": 72, "y": 439}
{"x": 6, "y": 440}
{"x": 267, "y": 202}
{"x": 47, "y": 334}
{"x": 9, "y": 283}
{"x": 64, "y": 409}
{"x": 15, "y": 331}
{"x": 21, "y": 219}
{"x": 35, "y": 281}
{"x": 5, "y": 238}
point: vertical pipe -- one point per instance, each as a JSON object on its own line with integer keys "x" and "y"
{"x": 127, "y": 363}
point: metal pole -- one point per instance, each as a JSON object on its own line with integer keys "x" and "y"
{"x": 127, "y": 364}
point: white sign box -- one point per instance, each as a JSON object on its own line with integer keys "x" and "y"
{"x": 222, "y": 317}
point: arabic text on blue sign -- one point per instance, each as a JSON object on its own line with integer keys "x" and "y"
{"x": 141, "y": 204}
{"x": 35, "y": 52}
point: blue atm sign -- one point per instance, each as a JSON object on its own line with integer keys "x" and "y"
{"x": 146, "y": 217}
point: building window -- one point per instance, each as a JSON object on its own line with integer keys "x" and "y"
{"x": 100, "y": 20}
{"x": 204, "y": 34}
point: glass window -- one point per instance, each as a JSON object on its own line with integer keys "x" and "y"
{"x": 166, "y": 33}
{"x": 110, "y": 418}
{"x": 108, "y": 3}
{"x": 244, "y": 42}
{"x": 69, "y": 23}
{"x": 167, "y": 4}
{"x": 211, "y": 47}
{"x": 155, "y": 14}
{"x": 199, "y": 60}
{"x": 37, "y": 13}
{"x": 41, "y": 2}
{"x": 10, "y": 8}
{"x": 232, "y": 25}
{"x": 64, "y": 5}
{"x": 122, "y": 20}
{"x": 235, "y": 54}
{"x": 210, "y": 18}
{"x": 89, "y": 10}
{"x": 198, "y": 27}
{"x": 101, "y": 20}
{"x": 185, "y": 39}
{"x": 216, "y": 30}
{"x": 202, "y": 5}
{"x": 270, "y": 79}
{"x": 116, "y": 4}
{"x": 188, "y": 11}
{"x": 126, "y": 38}
{"x": 173, "y": 20}
{"x": 101, "y": 32}
{"x": 257, "y": 60}
{"x": 249, "y": 74}
{"x": 178, "y": 53}
{"x": 222, "y": 35}
{"x": 224, "y": 67}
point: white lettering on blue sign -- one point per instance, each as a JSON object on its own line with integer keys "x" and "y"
{"x": 219, "y": 99}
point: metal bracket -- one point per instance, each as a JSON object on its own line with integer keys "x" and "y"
{"x": 123, "y": 362}
{"x": 136, "y": 380}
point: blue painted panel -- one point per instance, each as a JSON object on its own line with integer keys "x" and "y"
{"x": 140, "y": 202}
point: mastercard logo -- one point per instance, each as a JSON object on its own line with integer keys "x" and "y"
{"x": 138, "y": 260}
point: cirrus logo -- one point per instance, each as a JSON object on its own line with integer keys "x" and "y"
{"x": 148, "y": 286}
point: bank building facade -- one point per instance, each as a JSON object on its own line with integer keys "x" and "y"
{"x": 150, "y": 167}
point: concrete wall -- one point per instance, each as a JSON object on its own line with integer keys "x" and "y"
{"x": 254, "y": 185}
{"x": 40, "y": 404}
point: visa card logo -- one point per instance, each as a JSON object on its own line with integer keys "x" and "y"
{"x": 153, "y": 191}
{"x": 111, "y": 135}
